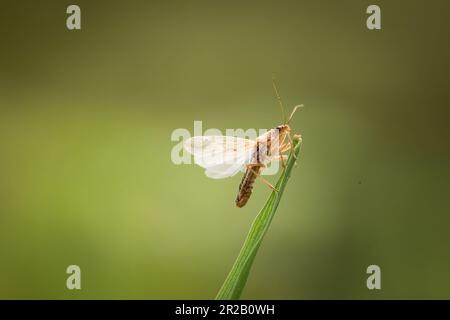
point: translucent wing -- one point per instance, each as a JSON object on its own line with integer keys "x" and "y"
{"x": 221, "y": 156}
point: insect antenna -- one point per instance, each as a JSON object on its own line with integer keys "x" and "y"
{"x": 278, "y": 98}
{"x": 293, "y": 111}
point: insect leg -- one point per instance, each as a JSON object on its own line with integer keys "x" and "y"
{"x": 283, "y": 162}
{"x": 283, "y": 147}
{"x": 258, "y": 175}
{"x": 281, "y": 157}
{"x": 291, "y": 144}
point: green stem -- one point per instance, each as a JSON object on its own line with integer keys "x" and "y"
{"x": 237, "y": 278}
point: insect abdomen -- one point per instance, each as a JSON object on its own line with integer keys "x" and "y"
{"x": 246, "y": 186}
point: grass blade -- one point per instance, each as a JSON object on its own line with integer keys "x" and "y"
{"x": 237, "y": 278}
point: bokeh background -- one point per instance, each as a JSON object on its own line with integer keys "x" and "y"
{"x": 86, "y": 176}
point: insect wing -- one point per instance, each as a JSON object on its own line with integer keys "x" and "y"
{"x": 221, "y": 156}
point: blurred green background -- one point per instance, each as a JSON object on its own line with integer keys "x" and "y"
{"x": 86, "y": 176}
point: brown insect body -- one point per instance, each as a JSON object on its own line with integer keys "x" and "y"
{"x": 264, "y": 149}
{"x": 246, "y": 185}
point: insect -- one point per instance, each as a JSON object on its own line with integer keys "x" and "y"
{"x": 225, "y": 156}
